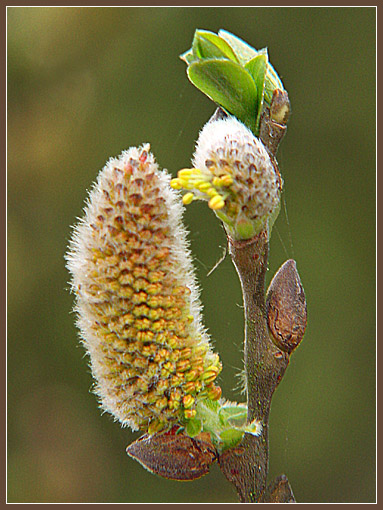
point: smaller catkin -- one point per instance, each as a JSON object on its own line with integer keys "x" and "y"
{"x": 233, "y": 171}
{"x": 137, "y": 300}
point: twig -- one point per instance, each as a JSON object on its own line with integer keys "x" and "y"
{"x": 247, "y": 465}
{"x": 266, "y": 360}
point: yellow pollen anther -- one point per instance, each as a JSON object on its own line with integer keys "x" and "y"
{"x": 197, "y": 183}
{"x": 190, "y": 413}
{"x": 212, "y": 192}
{"x": 183, "y": 365}
{"x": 188, "y": 401}
{"x": 188, "y": 198}
{"x": 204, "y": 187}
{"x": 210, "y": 374}
{"x": 175, "y": 183}
{"x": 209, "y": 377}
{"x": 173, "y": 404}
{"x": 191, "y": 375}
{"x": 217, "y": 202}
{"x": 190, "y": 387}
{"x": 214, "y": 392}
{"x": 184, "y": 183}
{"x": 185, "y": 353}
{"x": 186, "y": 172}
{"x": 227, "y": 180}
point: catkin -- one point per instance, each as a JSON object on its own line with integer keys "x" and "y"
{"x": 137, "y": 300}
{"x": 233, "y": 171}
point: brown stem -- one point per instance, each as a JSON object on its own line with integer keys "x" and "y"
{"x": 246, "y": 466}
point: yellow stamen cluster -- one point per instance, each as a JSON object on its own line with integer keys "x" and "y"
{"x": 234, "y": 173}
{"x": 137, "y": 300}
{"x": 204, "y": 185}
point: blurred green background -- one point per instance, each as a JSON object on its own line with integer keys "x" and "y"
{"x": 86, "y": 83}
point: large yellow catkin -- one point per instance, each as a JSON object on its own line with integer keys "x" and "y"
{"x": 136, "y": 297}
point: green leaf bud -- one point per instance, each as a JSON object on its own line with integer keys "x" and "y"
{"x": 209, "y": 45}
{"x": 237, "y": 77}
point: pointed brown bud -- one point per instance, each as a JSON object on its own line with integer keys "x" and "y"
{"x": 174, "y": 456}
{"x": 274, "y": 119}
{"x": 280, "y": 107}
{"x": 286, "y": 308}
{"x": 279, "y": 491}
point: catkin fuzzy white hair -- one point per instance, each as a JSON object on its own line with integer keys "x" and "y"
{"x": 137, "y": 300}
{"x": 233, "y": 171}
{"x": 229, "y": 143}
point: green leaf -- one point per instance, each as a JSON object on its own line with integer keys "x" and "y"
{"x": 208, "y": 45}
{"x": 272, "y": 82}
{"x": 257, "y": 67}
{"x": 188, "y": 57}
{"x": 243, "y": 51}
{"x": 230, "y": 437}
{"x": 229, "y": 86}
{"x": 254, "y": 428}
{"x": 233, "y": 413}
{"x": 193, "y": 427}
{"x": 212, "y": 405}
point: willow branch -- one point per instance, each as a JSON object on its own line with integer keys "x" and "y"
{"x": 266, "y": 359}
{"x": 247, "y": 465}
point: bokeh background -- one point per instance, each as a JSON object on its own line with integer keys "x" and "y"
{"x": 86, "y": 83}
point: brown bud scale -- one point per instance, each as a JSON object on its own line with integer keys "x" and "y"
{"x": 174, "y": 456}
{"x": 286, "y": 307}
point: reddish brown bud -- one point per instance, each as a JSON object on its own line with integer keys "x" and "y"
{"x": 280, "y": 107}
{"x": 286, "y": 307}
{"x": 274, "y": 119}
{"x": 279, "y": 491}
{"x": 174, "y": 456}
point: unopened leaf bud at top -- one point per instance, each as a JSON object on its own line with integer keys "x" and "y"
{"x": 136, "y": 297}
{"x": 286, "y": 308}
{"x": 233, "y": 171}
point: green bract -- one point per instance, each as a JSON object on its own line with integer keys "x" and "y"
{"x": 225, "y": 421}
{"x": 234, "y": 75}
